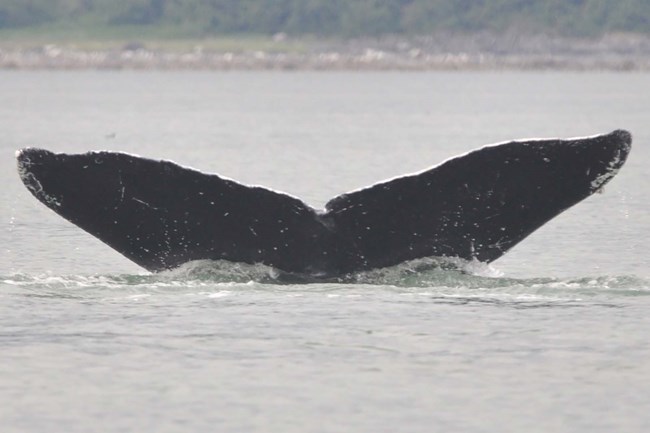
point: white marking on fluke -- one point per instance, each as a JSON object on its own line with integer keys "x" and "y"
{"x": 611, "y": 170}
{"x": 32, "y": 183}
{"x": 144, "y": 203}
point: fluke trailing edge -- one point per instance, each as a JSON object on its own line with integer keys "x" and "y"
{"x": 474, "y": 206}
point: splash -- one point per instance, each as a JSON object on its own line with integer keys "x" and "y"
{"x": 429, "y": 274}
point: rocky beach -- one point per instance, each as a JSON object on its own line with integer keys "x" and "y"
{"x": 483, "y": 51}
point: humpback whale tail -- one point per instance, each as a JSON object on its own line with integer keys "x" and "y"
{"x": 474, "y": 206}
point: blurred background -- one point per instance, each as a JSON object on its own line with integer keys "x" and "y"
{"x": 330, "y": 17}
{"x": 290, "y": 34}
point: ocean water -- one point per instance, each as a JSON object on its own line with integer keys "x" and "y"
{"x": 554, "y": 336}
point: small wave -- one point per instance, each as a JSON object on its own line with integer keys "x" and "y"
{"x": 91, "y": 286}
{"x": 404, "y": 274}
{"x": 429, "y": 276}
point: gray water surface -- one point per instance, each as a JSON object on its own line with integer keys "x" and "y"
{"x": 554, "y": 336}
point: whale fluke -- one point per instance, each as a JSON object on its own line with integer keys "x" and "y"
{"x": 475, "y": 206}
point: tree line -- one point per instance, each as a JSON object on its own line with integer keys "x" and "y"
{"x": 347, "y": 18}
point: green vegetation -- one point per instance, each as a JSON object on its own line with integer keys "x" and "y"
{"x": 173, "y": 19}
{"x": 88, "y": 35}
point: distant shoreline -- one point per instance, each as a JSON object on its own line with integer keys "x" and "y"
{"x": 615, "y": 52}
